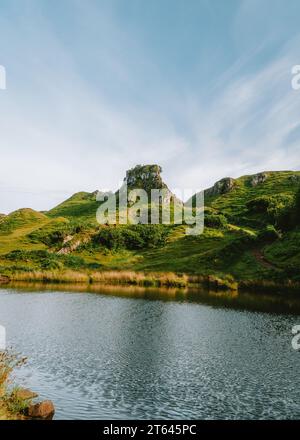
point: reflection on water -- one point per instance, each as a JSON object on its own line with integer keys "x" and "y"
{"x": 170, "y": 354}
{"x": 263, "y": 302}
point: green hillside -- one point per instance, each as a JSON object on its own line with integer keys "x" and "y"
{"x": 80, "y": 205}
{"x": 252, "y": 232}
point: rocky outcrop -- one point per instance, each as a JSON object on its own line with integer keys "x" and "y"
{"x": 72, "y": 243}
{"x": 44, "y": 410}
{"x": 223, "y": 186}
{"x": 257, "y": 179}
{"x": 148, "y": 177}
{"x": 142, "y": 176}
{"x": 145, "y": 177}
{"x": 33, "y": 410}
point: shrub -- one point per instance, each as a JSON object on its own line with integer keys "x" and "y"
{"x": 290, "y": 216}
{"x": 295, "y": 217}
{"x": 273, "y": 207}
{"x": 16, "y": 255}
{"x": 73, "y": 261}
{"x": 51, "y": 263}
{"x": 239, "y": 245}
{"x": 292, "y": 270}
{"x": 53, "y": 235}
{"x": 131, "y": 237}
{"x": 269, "y": 233}
{"x": 8, "y": 362}
{"x": 215, "y": 220}
{"x": 47, "y": 260}
{"x": 297, "y": 204}
{"x": 16, "y": 404}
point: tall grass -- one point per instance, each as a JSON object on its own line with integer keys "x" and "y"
{"x": 10, "y": 402}
{"x": 128, "y": 277}
{"x": 168, "y": 279}
{"x": 54, "y": 276}
{"x": 8, "y": 362}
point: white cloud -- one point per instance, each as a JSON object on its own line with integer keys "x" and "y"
{"x": 63, "y": 131}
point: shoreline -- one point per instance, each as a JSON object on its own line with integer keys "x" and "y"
{"x": 18, "y": 403}
{"x": 152, "y": 280}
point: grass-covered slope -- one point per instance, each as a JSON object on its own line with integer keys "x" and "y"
{"x": 278, "y": 187}
{"x": 80, "y": 205}
{"x": 252, "y": 232}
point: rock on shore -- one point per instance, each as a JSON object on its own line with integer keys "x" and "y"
{"x": 44, "y": 410}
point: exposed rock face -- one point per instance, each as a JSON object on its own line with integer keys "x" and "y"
{"x": 44, "y": 410}
{"x": 145, "y": 177}
{"x": 223, "y": 186}
{"x": 258, "y": 178}
{"x": 148, "y": 177}
{"x": 70, "y": 244}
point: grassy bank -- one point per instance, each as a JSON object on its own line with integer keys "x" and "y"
{"x": 105, "y": 277}
{"x": 145, "y": 279}
{"x": 154, "y": 279}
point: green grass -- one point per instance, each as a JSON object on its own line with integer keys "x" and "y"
{"x": 240, "y": 226}
{"x": 233, "y": 204}
{"x": 81, "y": 205}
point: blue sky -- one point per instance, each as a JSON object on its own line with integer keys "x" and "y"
{"x": 202, "y": 87}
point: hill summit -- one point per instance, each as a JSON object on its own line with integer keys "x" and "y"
{"x": 145, "y": 177}
{"x": 148, "y": 177}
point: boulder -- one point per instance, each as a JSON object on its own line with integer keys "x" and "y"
{"x": 25, "y": 394}
{"x": 44, "y": 410}
{"x": 256, "y": 179}
{"x": 223, "y": 186}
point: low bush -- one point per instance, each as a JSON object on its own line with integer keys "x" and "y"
{"x": 131, "y": 237}
{"x": 238, "y": 245}
{"x": 273, "y": 207}
{"x": 47, "y": 260}
{"x": 269, "y": 233}
{"x": 215, "y": 221}
{"x": 54, "y": 234}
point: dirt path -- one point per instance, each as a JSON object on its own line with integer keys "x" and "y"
{"x": 257, "y": 253}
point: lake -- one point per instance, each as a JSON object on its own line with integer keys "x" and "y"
{"x": 125, "y": 353}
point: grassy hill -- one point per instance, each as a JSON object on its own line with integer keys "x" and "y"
{"x": 80, "y": 205}
{"x": 252, "y": 232}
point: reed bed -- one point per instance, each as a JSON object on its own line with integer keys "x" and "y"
{"x": 169, "y": 279}
{"x": 50, "y": 276}
{"x": 154, "y": 279}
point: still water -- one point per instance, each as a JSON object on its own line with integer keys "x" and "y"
{"x": 128, "y": 354}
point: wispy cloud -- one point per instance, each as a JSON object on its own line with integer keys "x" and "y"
{"x": 87, "y": 98}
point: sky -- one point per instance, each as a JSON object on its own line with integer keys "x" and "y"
{"x": 94, "y": 87}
